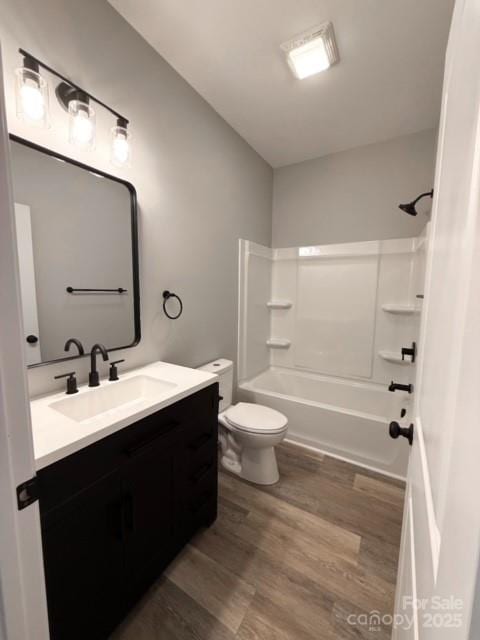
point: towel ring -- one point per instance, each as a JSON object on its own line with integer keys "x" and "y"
{"x": 166, "y": 296}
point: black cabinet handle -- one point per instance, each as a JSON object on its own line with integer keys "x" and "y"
{"x": 31, "y": 339}
{"x": 197, "y": 444}
{"x": 141, "y": 447}
{"x": 201, "y": 473}
{"x": 396, "y": 430}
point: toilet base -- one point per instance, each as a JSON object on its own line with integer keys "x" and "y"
{"x": 257, "y": 465}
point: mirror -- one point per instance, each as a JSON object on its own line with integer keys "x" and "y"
{"x": 78, "y": 254}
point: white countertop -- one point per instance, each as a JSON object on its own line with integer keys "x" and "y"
{"x": 56, "y": 436}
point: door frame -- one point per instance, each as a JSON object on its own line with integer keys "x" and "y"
{"x": 23, "y": 605}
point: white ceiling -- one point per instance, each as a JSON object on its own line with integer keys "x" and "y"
{"x": 387, "y": 84}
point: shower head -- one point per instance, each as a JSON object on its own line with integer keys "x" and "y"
{"x": 410, "y": 206}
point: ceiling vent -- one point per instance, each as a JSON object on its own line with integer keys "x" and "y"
{"x": 313, "y": 51}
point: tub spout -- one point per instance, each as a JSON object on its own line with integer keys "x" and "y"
{"x": 395, "y": 386}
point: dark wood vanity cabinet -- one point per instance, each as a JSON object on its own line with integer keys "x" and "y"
{"x": 116, "y": 513}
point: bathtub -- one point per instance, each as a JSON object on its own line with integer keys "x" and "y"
{"x": 343, "y": 418}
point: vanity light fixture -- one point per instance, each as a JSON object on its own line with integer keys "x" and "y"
{"x": 121, "y": 147}
{"x": 76, "y": 101}
{"x": 311, "y": 52}
{"x": 31, "y": 92}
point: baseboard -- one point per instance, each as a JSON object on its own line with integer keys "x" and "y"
{"x": 382, "y": 472}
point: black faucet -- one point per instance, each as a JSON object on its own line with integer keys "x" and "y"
{"x": 77, "y": 343}
{"x": 395, "y": 386}
{"x": 93, "y": 378}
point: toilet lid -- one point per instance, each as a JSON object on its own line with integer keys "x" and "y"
{"x": 255, "y": 417}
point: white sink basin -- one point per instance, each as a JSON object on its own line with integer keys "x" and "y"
{"x": 94, "y": 402}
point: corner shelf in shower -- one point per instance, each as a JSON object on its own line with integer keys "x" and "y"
{"x": 278, "y": 343}
{"x": 391, "y": 356}
{"x": 400, "y": 309}
{"x": 279, "y": 304}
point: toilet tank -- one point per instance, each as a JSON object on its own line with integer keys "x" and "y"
{"x": 224, "y": 370}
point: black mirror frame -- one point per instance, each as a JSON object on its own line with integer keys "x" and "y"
{"x": 134, "y": 231}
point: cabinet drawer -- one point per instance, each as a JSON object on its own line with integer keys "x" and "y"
{"x": 67, "y": 477}
{"x": 201, "y": 449}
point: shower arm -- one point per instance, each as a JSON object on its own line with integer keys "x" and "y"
{"x": 423, "y": 195}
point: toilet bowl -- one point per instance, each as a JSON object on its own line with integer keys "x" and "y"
{"x": 248, "y": 432}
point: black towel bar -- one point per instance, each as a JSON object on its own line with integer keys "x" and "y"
{"x": 117, "y": 290}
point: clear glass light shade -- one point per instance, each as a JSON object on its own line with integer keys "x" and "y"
{"x": 121, "y": 149}
{"x": 31, "y": 97}
{"x": 309, "y": 59}
{"x": 82, "y": 124}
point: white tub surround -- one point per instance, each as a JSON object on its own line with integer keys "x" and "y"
{"x": 352, "y": 308}
{"x": 63, "y": 424}
{"x": 330, "y": 309}
{"x": 345, "y": 418}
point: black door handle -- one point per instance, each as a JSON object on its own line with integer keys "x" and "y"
{"x": 31, "y": 339}
{"x": 396, "y": 430}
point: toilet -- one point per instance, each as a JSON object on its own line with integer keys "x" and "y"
{"x": 248, "y": 432}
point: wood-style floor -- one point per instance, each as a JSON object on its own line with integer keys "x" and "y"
{"x": 289, "y": 562}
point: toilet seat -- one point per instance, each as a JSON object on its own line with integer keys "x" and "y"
{"x": 255, "y": 418}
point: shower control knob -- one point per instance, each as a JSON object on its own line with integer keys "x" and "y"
{"x": 396, "y": 430}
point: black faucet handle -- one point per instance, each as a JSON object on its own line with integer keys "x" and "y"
{"x": 410, "y": 351}
{"x": 113, "y": 370}
{"x": 71, "y": 382}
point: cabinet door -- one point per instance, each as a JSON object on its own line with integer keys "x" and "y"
{"x": 150, "y": 483}
{"x": 84, "y": 563}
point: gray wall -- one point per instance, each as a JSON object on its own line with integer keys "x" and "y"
{"x": 353, "y": 195}
{"x": 200, "y": 186}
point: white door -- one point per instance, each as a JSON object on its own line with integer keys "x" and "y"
{"x": 23, "y": 612}
{"x": 437, "y": 587}
{"x": 28, "y": 288}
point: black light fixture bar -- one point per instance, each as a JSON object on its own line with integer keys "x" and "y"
{"x": 29, "y": 56}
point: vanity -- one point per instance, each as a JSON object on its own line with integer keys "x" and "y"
{"x": 127, "y": 473}
{"x": 126, "y": 466}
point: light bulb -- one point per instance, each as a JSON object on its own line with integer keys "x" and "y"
{"x": 121, "y": 145}
{"x": 32, "y": 101}
{"x": 82, "y": 128}
{"x": 82, "y": 124}
{"x": 31, "y": 97}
